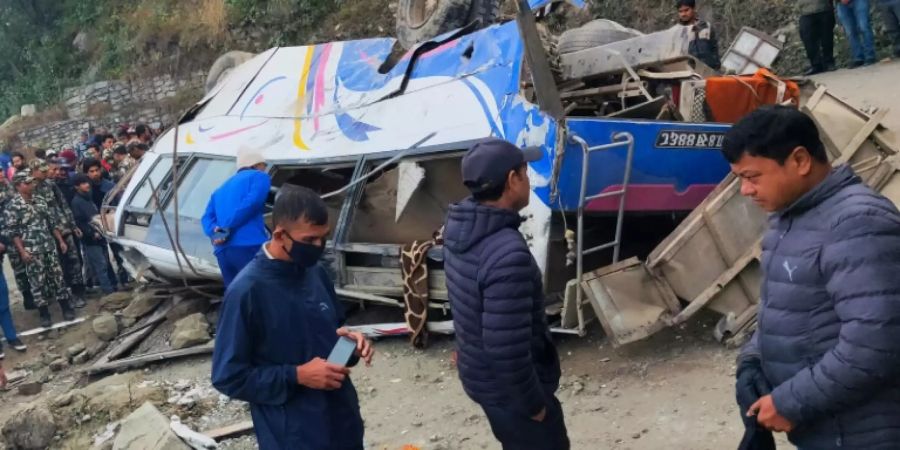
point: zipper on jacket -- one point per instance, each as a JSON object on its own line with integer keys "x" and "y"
{"x": 839, "y": 441}
{"x": 759, "y": 314}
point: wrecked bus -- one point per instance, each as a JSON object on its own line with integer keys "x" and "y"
{"x": 380, "y": 133}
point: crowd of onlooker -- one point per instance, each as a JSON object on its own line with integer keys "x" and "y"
{"x": 50, "y": 227}
{"x": 817, "y": 22}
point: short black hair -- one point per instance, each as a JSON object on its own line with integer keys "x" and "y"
{"x": 688, "y": 3}
{"x": 80, "y": 179}
{"x": 295, "y": 203}
{"x": 109, "y": 136}
{"x": 90, "y": 163}
{"x": 773, "y": 132}
{"x": 140, "y": 129}
{"x": 40, "y": 153}
{"x": 490, "y": 194}
{"x": 19, "y": 154}
{"x": 494, "y": 192}
{"x": 137, "y": 146}
{"x": 120, "y": 150}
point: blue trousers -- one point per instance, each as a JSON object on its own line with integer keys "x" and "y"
{"x": 233, "y": 259}
{"x": 6, "y": 321}
{"x": 857, "y": 24}
{"x": 97, "y": 258}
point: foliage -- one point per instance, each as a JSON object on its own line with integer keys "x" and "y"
{"x": 38, "y": 58}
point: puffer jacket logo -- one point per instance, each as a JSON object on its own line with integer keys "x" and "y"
{"x": 828, "y": 331}
{"x": 789, "y": 269}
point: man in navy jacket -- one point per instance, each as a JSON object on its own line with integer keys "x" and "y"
{"x": 279, "y": 320}
{"x": 828, "y": 333}
{"x": 507, "y": 362}
{"x": 234, "y": 215}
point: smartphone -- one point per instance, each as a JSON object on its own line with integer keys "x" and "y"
{"x": 220, "y": 234}
{"x": 342, "y": 351}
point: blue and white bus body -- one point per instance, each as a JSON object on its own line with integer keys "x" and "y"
{"x": 332, "y": 103}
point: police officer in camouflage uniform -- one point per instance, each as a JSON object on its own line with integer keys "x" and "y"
{"x": 49, "y": 193}
{"x": 30, "y": 227}
{"x": 6, "y": 319}
{"x": 7, "y": 192}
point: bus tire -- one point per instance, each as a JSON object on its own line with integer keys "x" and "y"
{"x": 224, "y": 65}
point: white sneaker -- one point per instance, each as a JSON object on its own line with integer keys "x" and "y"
{"x": 18, "y": 345}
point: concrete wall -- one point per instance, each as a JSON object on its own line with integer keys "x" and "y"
{"x": 156, "y": 101}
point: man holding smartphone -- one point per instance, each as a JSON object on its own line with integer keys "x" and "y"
{"x": 507, "y": 362}
{"x": 280, "y": 319}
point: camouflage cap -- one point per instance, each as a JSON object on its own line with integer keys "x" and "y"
{"x": 38, "y": 164}
{"x": 22, "y": 176}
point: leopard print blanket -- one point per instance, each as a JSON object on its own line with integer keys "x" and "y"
{"x": 414, "y": 267}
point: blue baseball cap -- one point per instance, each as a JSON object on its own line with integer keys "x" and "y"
{"x": 487, "y": 163}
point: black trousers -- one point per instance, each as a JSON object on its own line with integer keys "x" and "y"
{"x": 817, "y": 33}
{"x": 518, "y": 432}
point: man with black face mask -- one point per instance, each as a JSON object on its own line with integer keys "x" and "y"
{"x": 280, "y": 320}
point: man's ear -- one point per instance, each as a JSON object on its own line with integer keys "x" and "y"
{"x": 511, "y": 176}
{"x": 802, "y": 159}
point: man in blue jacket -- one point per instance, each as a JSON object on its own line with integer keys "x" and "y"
{"x": 506, "y": 359}
{"x": 234, "y": 215}
{"x": 828, "y": 329}
{"x": 279, "y": 321}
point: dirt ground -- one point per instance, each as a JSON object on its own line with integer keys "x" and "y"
{"x": 871, "y": 86}
{"x": 674, "y": 390}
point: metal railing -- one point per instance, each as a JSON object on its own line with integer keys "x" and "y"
{"x": 620, "y": 140}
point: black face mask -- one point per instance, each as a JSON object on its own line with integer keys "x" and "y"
{"x": 302, "y": 254}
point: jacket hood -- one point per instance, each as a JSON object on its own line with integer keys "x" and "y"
{"x": 468, "y": 223}
{"x": 839, "y": 178}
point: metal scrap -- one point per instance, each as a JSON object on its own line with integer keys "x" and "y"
{"x": 711, "y": 260}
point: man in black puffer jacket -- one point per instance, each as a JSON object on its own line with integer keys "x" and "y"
{"x": 828, "y": 335}
{"x": 506, "y": 359}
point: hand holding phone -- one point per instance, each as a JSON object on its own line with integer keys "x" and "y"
{"x": 363, "y": 346}
{"x": 342, "y": 352}
{"x": 322, "y": 375}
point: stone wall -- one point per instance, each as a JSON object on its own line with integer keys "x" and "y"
{"x": 154, "y": 101}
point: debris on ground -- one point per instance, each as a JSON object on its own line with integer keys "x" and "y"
{"x": 189, "y": 331}
{"x": 194, "y": 439}
{"x": 115, "y": 301}
{"x": 63, "y": 400}
{"x": 59, "y": 364}
{"x": 141, "y": 305}
{"x": 29, "y": 389}
{"x": 183, "y": 307}
{"x": 147, "y": 428}
{"x": 104, "y": 439}
{"x": 75, "y": 350}
{"x": 30, "y": 429}
{"x": 106, "y": 327}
